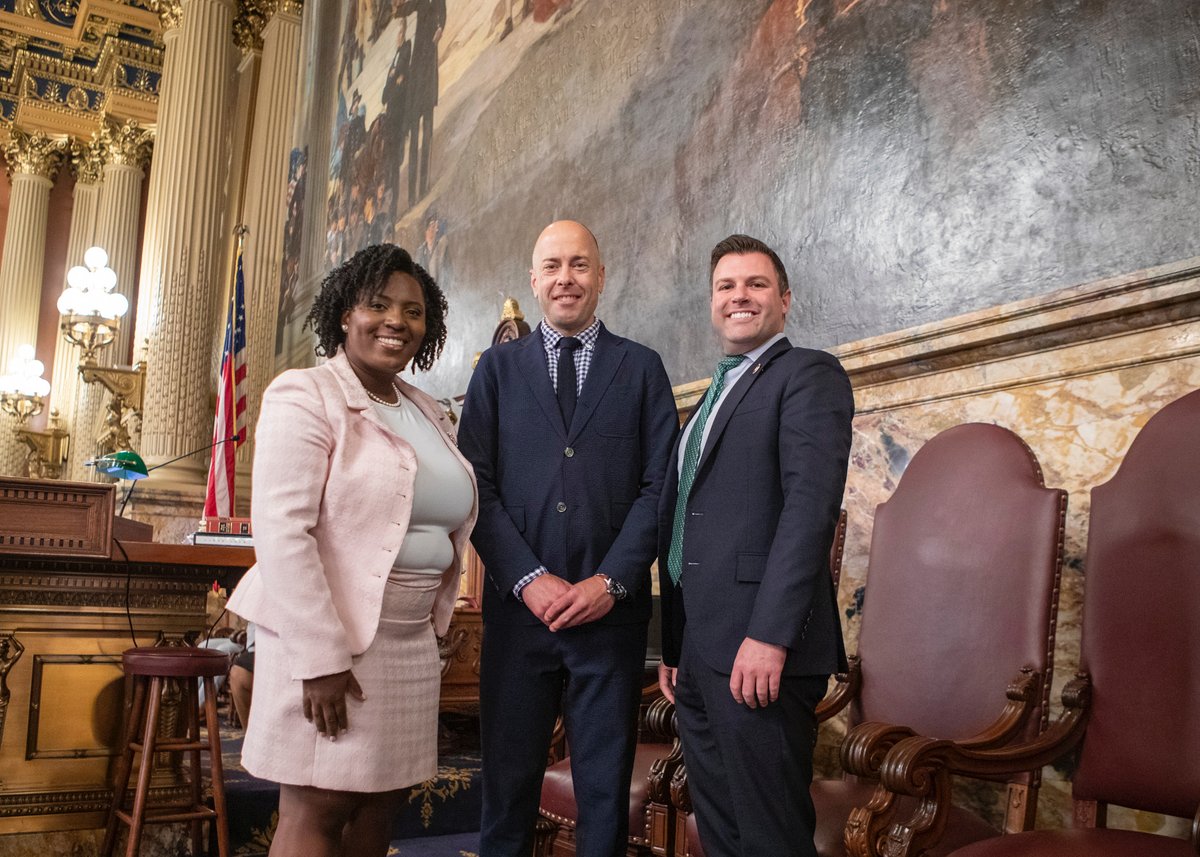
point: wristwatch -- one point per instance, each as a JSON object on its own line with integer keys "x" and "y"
{"x": 616, "y": 590}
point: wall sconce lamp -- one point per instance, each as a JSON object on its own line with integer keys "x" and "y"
{"x": 91, "y": 318}
{"x": 23, "y": 394}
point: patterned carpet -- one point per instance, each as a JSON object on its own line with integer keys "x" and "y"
{"x": 439, "y": 819}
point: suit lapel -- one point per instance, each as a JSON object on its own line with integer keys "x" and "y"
{"x": 532, "y": 361}
{"x": 730, "y": 405}
{"x": 610, "y": 351}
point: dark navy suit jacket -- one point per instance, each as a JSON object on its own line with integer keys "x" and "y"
{"x": 578, "y": 500}
{"x": 761, "y": 516}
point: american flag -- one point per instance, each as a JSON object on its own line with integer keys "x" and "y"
{"x": 230, "y": 420}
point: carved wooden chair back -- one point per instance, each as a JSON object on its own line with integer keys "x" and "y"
{"x": 962, "y": 586}
{"x": 1141, "y": 625}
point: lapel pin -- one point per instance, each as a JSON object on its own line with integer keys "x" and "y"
{"x": 757, "y": 368}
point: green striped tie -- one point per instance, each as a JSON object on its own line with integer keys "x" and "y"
{"x": 691, "y": 457}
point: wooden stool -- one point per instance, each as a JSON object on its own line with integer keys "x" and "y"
{"x": 150, "y": 668}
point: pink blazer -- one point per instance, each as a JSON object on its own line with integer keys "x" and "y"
{"x": 331, "y": 504}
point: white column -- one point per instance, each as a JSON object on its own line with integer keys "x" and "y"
{"x": 181, "y": 273}
{"x": 128, "y": 148}
{"x": 266, "y": 197}
{"x": 68, "y": 393}
{"x": 33, "y": 161}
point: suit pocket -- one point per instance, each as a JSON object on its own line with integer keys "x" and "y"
{"x": 517, "y": 513}
{"x": 749, "y": 409}
{"x": 751, "y": 567}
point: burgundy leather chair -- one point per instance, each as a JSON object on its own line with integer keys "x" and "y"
{"x": 1136, "y": 702}
{"x": 556, "y": 826}
{"x": 957, "y": 634}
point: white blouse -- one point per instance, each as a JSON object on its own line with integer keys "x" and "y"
{"x": 442, "y": 495}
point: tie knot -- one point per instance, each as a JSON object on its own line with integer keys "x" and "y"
{"x": 725, "y": 365}
{"x": 570, "y": 343}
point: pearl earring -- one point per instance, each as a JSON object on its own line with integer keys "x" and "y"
{"x": 345, "y": 328}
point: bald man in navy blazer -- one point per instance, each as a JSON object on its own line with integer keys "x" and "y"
{"x": 750, "y": 624}
{"x": 569, "y": 430}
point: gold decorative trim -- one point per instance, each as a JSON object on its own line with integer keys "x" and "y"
{"x": 253, "y": 17}
{"x": 10, "y": 652}
{"x": 170, "y": 12}
{"x": 87, "y": 159}
{"x": 78, "y": 801}
{"x": 91, "y": 16}
{"x": 62, "y": 95}
{"x": 126, "y": 143}
{"x": 35, "y": 154}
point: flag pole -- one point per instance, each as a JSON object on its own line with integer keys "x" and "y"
{"x": 230, "y": 416}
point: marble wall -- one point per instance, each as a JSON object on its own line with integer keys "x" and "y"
{"x": 1076, "y": 373}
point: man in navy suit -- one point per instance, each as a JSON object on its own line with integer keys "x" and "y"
{"x": 750, "y": 505}
{"x": 569, "y": 430}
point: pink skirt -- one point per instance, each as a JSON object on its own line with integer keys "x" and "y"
{"x": 392, "y": 740}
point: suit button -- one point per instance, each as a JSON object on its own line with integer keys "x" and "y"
{"x": 569, "y": 453}
{"x": 562, "y": 507}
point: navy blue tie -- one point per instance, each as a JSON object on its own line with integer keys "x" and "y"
{"x": 566, "y": 378}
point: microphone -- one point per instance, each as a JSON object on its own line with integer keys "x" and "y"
{"x": 233, "y": 438}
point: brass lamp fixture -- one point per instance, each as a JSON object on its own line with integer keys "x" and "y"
{"x": 91, "y": 318}
{"x": 23, "y": 395}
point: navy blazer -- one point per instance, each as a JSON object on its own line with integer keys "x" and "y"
{"x": 578, "y": 500}
{"x": 761, "y": 516}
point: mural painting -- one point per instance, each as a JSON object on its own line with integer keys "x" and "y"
{"x": 911, "y": 159}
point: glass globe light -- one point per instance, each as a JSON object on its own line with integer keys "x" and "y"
{"x": 95, "y": 257}
{"x": 106, "y": 278}
{"x": 78, "y": 277}
{"x": 118, "y": 304}
{"x": 68, "y": 302}
{"x": 111, "y": 305}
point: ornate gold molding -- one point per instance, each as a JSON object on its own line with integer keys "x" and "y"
{"x": 170, "y": 12}
{"x": 126, "y": 142}
{"x": 87, "y": 159}
{"x": 35, "y": 154}
{"x": 65, "y": 80}
{"x": 10, "y": 652}
{"x": 253, "y": 17}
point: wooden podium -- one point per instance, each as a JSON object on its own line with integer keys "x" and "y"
{"x": 72, "y": 597}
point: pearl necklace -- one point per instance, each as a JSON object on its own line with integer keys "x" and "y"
{"x": 399, "y": 398}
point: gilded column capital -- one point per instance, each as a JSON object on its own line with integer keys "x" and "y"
{"x": 88, "y": 158}
{"x": 126, "y": 142}
{"x": 34, "y": 154}
{"x": 253, "y": 16}
{"x": 170, "y": 12}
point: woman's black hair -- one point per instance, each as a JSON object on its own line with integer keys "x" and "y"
{"x": 363, "y": 276}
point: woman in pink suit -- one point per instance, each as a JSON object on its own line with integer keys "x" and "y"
{"x": 361, "y": 508}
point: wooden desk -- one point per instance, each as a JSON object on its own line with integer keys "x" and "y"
{"x": 63, "y": 625}
{"x": 65, "y": 585}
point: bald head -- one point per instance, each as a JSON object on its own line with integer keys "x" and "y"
{"x": 560, "y": 229}
{"x": 567, "y": 276}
